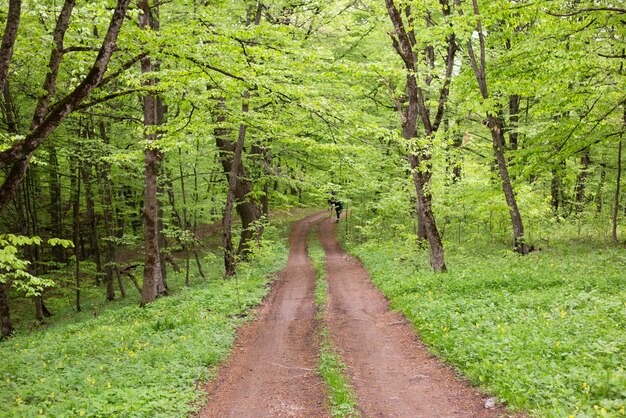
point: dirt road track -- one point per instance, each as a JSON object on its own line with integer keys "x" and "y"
{"x": 392, "y": 372}
{"x": 272, "y": 371}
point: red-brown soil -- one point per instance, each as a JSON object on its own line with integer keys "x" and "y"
{"x": 272, "y": 371}
{"x": 392, "y": 372}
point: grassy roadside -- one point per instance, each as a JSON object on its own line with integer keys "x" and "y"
{"x": 340, "y": 395}
{"x": 131, "y": 361}
{"x": 544, "y": 332}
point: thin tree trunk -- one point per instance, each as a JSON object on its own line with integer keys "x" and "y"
{"x": 229, "y": 253}
{"x": 599, "y": 197}
{"x": 405, "y": 44}
{"x": 110, "y": 261}
{"x": 581, "y": 182}
{"x": 8, "y": 39}
{"x": 618, "y": 185}
{"x": 183, "y": 223}
{"x": 246, "y": 207}
{"x": 76, "y": 234}
{"x": 56, "y": 222}
{"x": 436, "y": 254}
{"x": 91, "y": 216}
{"x": 6, "y": 325}
{"x": 196, "y": 197}
{"x": 496, "y": 127}
{"x": 507, "y": 187}
{"x": 514, "y": 101}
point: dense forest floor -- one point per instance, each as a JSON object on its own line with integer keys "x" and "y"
{"x": 543, "y": 333}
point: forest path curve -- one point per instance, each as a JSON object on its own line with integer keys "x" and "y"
{"x": 272, "y": 370}
{"x": 392, "y": 372}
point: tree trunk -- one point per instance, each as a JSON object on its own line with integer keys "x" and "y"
{"x": 153, "y": 284}
{"x": 229, "y": 255}
{"x": 196, "y": 196}
{"x": 94, "y": 246}
{"x": 495, "y": 124}
{"x": 6, "y": 325}
{"x": 45, "y": 120}
{"x": 599, "y": 196}
{"x": 581, "y": 182}
{"x": 618, "y": 185}
{"x": 152, "y": 277}
{"x": 247, "y": 208}
{"x": 56, "y": 209}
{"x": 76, "y": 234}
{"x": 436, "y": 254}
{"x": 555, "y": 191}
{"x": 513, "y": 121}
{"x": 8, "y": 39}
{"x": 519, "y": 243}
{"x": 405, "y": 43}
{"x": 110, "y": 262}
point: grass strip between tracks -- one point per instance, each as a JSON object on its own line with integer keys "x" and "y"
{"x": 340, "y": 394}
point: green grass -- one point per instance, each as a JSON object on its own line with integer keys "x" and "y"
{"x": 341, "y": 396}
{"x": 131, "y": 361}
{"x": 544, "y": 332}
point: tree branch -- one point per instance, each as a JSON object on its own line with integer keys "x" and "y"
{"x": 8, "y": 39}
{"x": 587, "y": 10}
{"x": 18, "y": 156}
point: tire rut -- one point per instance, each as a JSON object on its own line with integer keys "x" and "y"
{"x": 392, "y": 372}
{"x": 272, "y": 371}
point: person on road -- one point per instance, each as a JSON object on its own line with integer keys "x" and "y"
{"x": 336, "y": 204}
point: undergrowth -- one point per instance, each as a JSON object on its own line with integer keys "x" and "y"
{"x": 131, "y": 361}
{"x": 544, "y": 332}
{"x": 340, "y": 394}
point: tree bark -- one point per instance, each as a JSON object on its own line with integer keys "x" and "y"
{"x": 153, "y": 284}
{"x": 56, "y": 209}
{"x": 247, "y": 208}
{"x": 110, "y": 262}
{"x": 404, "y": 43}
{"x": 514, "y": 101}
{"x": 496, "y": 127}
{"x": 581, "y": 182}
{"x": 76, "y": 233}
{"x": 6, "y": 325}
{"x": 618, "y": 185}
{"x": 94, "y": 245}
{"x": 8, "y": 39}
{"x": 436, "y": 254}
{"x": 229, "y": 254}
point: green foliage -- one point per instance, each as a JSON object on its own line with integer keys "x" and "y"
{"x": 543, "y": 332}
{"x": 134, "y": 361}
{"x": 14, "y": 268}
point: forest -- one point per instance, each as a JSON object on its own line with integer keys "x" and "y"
{"x": 153, "y": 154}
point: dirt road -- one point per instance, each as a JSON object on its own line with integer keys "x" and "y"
{"x": 272, "y": 371}
{"x": 392, "y": 372}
